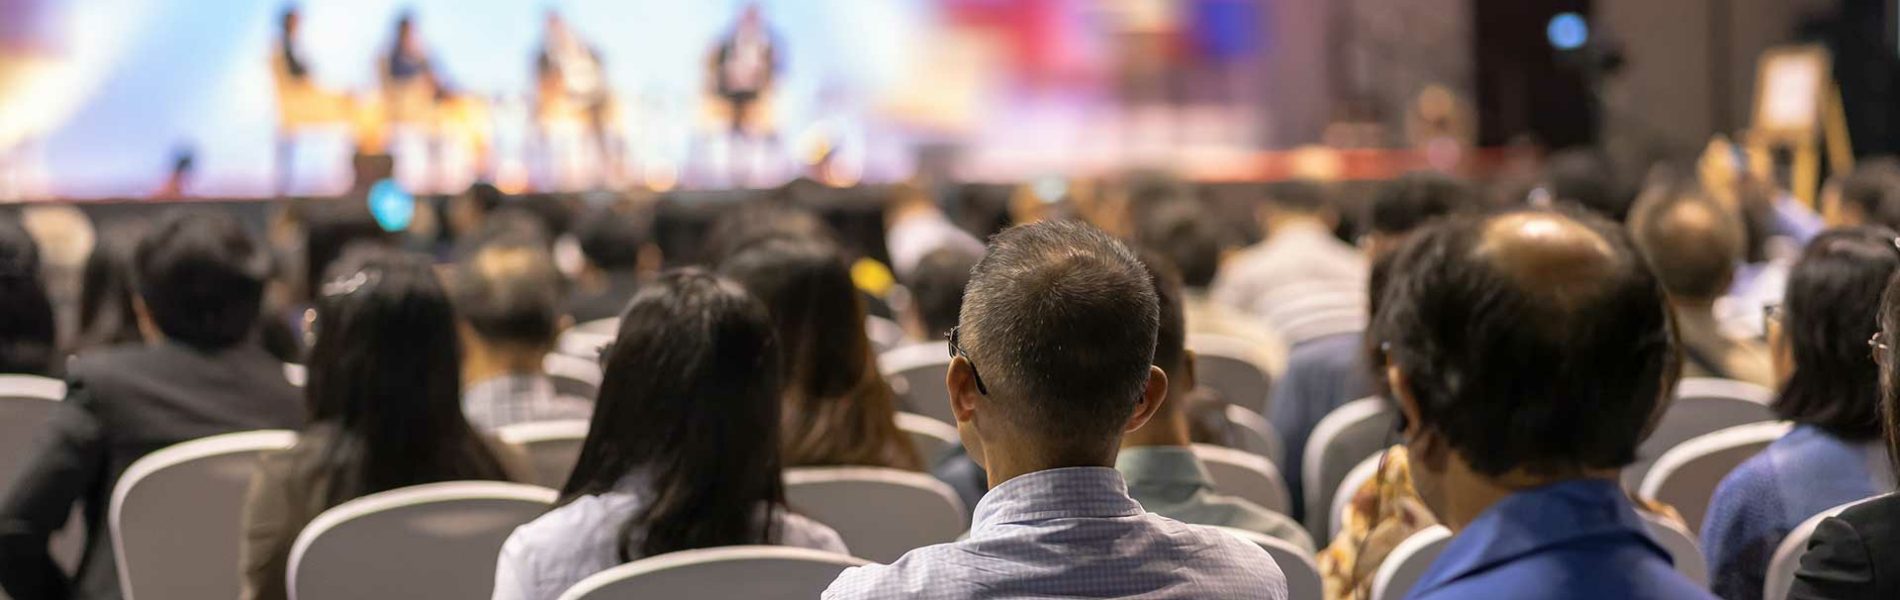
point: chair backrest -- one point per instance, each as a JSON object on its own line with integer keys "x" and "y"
{"x": 1252, "y": 433}
{"x": 881, "y": 513}
{"x": 438, "y": 540}
{"x": 573, "y": 376}
{"x": 26, "y": 402}
{"x": 552, "y": 447}
{"x": 1246, "y": 475}
{"x": 729, "y": 573}
{"x": 916, "y": 373}
{"x": 609, "y": 327}
{"x": 1787, "y": 557}
{"x": 1339, "y": 442}
{"x": 1302, "y": 574}
{"x": 1408, "y": 562}
{"x": 1701, "y": 406}
{"x": 1682, "y": 547}
{"x": 931, "y": 437}
{"x": 175, "y": 517}
{"x": 884, "y": 334}
{"x": 582, "y": 344}
{"x": 1342, "y": 497}
{"x": 1685, "y": 477}
{"x": 1225, "y": 365}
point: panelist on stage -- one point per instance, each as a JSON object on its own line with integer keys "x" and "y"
{"x": 744, "y": 66}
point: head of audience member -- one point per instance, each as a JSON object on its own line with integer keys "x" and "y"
{"x": 106, "y": 314}
{"x": 1297, "y": 203}
{"x": 1691, "y": 242}
{"x": 200, "y": 280}
{"x": 330, "y": 228}
{"x": 1188, "y": 236}
{"x": 1055, "y": 351}
{"x": 27, "y": 336}
{"x": 837, "y": 407}
{"x": 1583, "y": 178}
{"x": 1409, "y": 202}
{"x": 754, "y": 221}
{"x": 514, "y": 226}
{"x": 383, "y": 380}
{"x": 1889, "y": 359}
{"x": 1868, "y": 195}
{"x": 936, "y": 292}
{"x": 1820, "y": 341}
{"x": 1170, "y": 424}
{"x": 469, "y": 210}
{"x": 691, "y": 389}
{"x": 615, "y": 242}
{"x": 509, "y": 299}
{"x": 1524, "y": 349}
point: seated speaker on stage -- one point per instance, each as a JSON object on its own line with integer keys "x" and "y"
{"x": 571, "y": 86}
{"x": 302, "y": 104}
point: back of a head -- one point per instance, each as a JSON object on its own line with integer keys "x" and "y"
{"x": 690, "y": 389}
{"x": 27, "y": 337}
{"x": 515, "y": 225}
{"x": 1529, "y": 340}
{"x": 384, "y": 377}
{"x": 1583, "y": 178}
{"x": 815, "y": 309}
{"x": 612, "y": 240}
{"x": 1831, "y": 308}
{"x": 1302, "y": 196}
{"x": 1171, "y": 332}
{"x": 1060, "y": 320}
{"x": 510, "y": 295}
{"x": 106, "y": 316}
{"x": 330, "y": 228}
{"x": 760, "y": 220}
{"x": 1888, "y": 358}
{"x": 1414, "y": 199}
{"x": 1189, "y": 236}
{"x": 1873, "y": 189}
{"x": 1692, "y": 242}
{"x": 202, "y": 278}
{"x": 936, "y": 287}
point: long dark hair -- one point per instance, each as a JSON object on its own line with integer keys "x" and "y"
{"x": 1832, "y": 307}
{"x": 1889, "y": 360}
{"x": 689, "y": 401}
{"x": 26, "y": 315}
{"x": 838, "y": 408}
{"x": 384, "y": 387}
{"x": 106, "y": 317}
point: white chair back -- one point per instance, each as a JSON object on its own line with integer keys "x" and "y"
{"x": 26, "y": 402}
{"x": 584, "y": 345}
{"x": 175, "y": 517}
{"x": 931, "y": 437}
{"x": 885, "y": 335}
{"x": 916, "y": 373}
{"x": 1701, "y": 406}
{"x": 1339, "y": 442}
{"x": 552, "y": 447}
{"x": 438, "y": 540}
{"x": 1252, "y": 433}
{"x": 1246, "y": 475}
{"x": 881, "y": 513}
{"x": 573, "y": 376}
{"x": 607, "y": 327}
{"x": 1302, "y": 574}
{"x": 1408, "y": 562}
{"x": 1225, "y": 365}
{"x": 1787, "y": 557}
{"x": 729, "y": 573}
{"x": 1682, "y": 547}
{"x": 1342, "y": 497}
{"x": 1685, "y": 477}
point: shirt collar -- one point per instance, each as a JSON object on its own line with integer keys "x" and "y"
{"x": 1162, "y": 466}
{"x": 1066, "y": 493}
{"x": 1534, "y": 520}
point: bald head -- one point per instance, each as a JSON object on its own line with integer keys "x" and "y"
{"x": 1691, "y": 242}
{"x": 510, "y": 294}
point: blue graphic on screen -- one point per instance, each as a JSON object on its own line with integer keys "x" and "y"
{"x": 392, "y": 207}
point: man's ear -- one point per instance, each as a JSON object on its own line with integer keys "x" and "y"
{"x": 961, "y": 381}
{"x": 1422, "y": 444}
{"x": 1152, "y": 395}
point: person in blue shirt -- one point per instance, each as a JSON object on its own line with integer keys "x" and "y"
{"x": 1529, "y": 351}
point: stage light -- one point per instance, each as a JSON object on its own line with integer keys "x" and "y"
{"x": 1568, "y": 31}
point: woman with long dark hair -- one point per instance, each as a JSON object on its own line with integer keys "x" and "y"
{"x": 27, "y": 336}
{"x": 106, "y": 316}
{"x": 683, "y": 448}
{"x": 838, "y": 410}
{"x": 384, "y": 396}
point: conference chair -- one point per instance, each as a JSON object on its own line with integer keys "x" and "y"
{"x": 175, "y": 516}
{"x": 931, "y": 437}
{"x": 1342, "y": 497}
{"x": 917, "y": 374}
{"x": 1246, "y": 475}
{"x": 1681, "y": 545}
{"x": 881, "y": 513}
{"x": 26, "y": 403}
{"x": 573, "y": 376}
{"x": 1701, "y": 406}
{"x": 584, "y": 344}
{"x": 438, "y": 540}
{"x": 1249, "y": 431}
{"x": 1340, "y": 441}
{"x": 1225, "y": 365}
{"x": 1408, "y": 562}
{"x": 1685, "y": 477}
{"x": 1787, "y": 557}
{"x": 728, "y": 573}
{"x": 1302, "y": 574}
{"x": 552, "y": 447}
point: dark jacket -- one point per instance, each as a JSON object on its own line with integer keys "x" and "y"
{"x": 1853, "y": 555}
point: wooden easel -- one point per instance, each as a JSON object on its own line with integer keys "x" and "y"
{"x": 1798, "y": 109}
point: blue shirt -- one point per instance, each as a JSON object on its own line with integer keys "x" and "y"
{"x": 1577, "y": 539}
{"x": 1800, "y": 475}
{"x": 1072, "y": 533}
{"x": 1321, "y": 375}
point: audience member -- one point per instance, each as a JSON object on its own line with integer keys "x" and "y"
{"x": 1856, "y": 554}
{"x": 1054, "y": 363}
{"x": 1831, "y": 393}
{"x": 28, "y": 340}
{"x": 199, "y": 282}
{"x": 1584, "y": 178}
{"x": 1693, "y": 245}
{"x": 384, "y": 410}
{"x": 915, "y": 227}
{"x": 1158, "y": 460}
{"x": 1190, "y": 236}
{"x": 508, "y": 298}
{"x": 1529, "y": 353}
{"x": 65, "y": 236}
{"x": 936, "y": 292}
{"x": 1867, "y": 195}
{"x": 618, "y": 254}
{"x": 690, "y": 390}
{"x": 106, "y": 314}
{"x": 1301, "y": 280}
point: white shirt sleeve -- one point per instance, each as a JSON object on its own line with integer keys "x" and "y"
{"x": 510, "y": 569}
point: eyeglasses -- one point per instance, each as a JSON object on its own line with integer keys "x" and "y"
{"x": 956, "y": 351}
